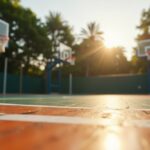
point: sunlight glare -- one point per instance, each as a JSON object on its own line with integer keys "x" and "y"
{"x": 110, "y": 43}
{"x": 111, "y": 40}
{"x": 113, "y": 102}
{"x": 112, "y": 141}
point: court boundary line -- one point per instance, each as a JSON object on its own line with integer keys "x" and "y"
{"x": 52, "y": 119}
{"x": 67, "y": 120}
{"x": 45, "y": 106}
{"x": 76, "y": 107}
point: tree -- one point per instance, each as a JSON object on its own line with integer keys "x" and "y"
{"x": 95, "y": 58}
{"x": 58, "y": 30}
{"x": 144, "y": 25}
{"x": 88, "y": 55}
{"x": 140, "y": 64}
{"x": 92, "y": 32}
{"x": 113, "y": 61}
{"x": 28, "y": 36}
{"x": 90, "y": 48}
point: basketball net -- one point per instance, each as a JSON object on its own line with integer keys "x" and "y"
{"x": 71, "y": 60}
{"x": 3, "y": 43}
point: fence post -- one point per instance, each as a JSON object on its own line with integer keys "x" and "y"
{"x": 148, "y": 77}
{"x": 70, "y": 84}
{"x": 21, "y": 79}
{"x": 5, "y": 76}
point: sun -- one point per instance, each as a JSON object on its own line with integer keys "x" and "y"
{"x": 110, "y": 43}
{"x": 111, "y": 40}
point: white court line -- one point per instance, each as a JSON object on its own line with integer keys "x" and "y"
{"x": 73, "y": 120}
{"x": 46, "y": 106}
{"x": 37, "y": 97}
{"x": 54, "y": 119}
{"x": 77, "y": 107}
{"x": 138, "y": 123}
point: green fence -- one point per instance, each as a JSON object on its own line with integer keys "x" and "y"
{"x": 126, "y": 84}
{"x": 30, "y": 84}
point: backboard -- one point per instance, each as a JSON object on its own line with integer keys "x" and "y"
{"x": 144, "y": 48}
{"x": 65, "y": 53}
{"x": 4, "y": 32}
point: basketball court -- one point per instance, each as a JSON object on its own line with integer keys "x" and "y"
{"x": 40, "y": 122}
{"x": 60, "y": 122}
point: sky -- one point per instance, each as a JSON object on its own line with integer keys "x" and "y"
{"x": 117, "y": 18}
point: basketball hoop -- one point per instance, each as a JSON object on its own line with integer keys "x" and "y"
{"x": 4, "y": 33}
{"x": 3, "y": 43}
{"x": 65, "y": 54}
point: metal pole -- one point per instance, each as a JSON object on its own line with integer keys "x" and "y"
{"x": 21, "y": 78}
{"x": 59, "y": 80}
{"x": 148, "y": 77}
{"x": 49, "y": 81}
{"x": 5, "y": 76}
{"x": 70, "y": 84}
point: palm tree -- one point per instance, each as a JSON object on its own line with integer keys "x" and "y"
{"x": 93, "y": 41}
{"x": 58, "y": 30}
{"x": 92, "y": 32}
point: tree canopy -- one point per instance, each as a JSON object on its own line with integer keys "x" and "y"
{"x": 139, "y": 65}
{"x": 33, "y": 42}
{"x": 92, "y": 31}
{"x": 58, "y": 30}
{"x": 94, "y": 58}
{"x": 28, "y": 36}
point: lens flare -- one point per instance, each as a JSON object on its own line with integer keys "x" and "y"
{"x": 112, "y": 141}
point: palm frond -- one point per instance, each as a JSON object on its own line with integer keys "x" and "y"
{"x": 92, "y": 31}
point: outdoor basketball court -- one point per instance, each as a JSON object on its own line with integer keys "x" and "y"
{"x": 97, "y": 122}
{"x": 60, "y": 122}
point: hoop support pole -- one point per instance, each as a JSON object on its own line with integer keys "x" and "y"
{"x": 5, "y": 76}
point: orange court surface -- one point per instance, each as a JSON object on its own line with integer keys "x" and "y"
{"x": 98, "y": 122}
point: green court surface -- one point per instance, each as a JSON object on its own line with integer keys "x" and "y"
{"x": 91, "y": 101}
{"x": 90, "y": 122}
